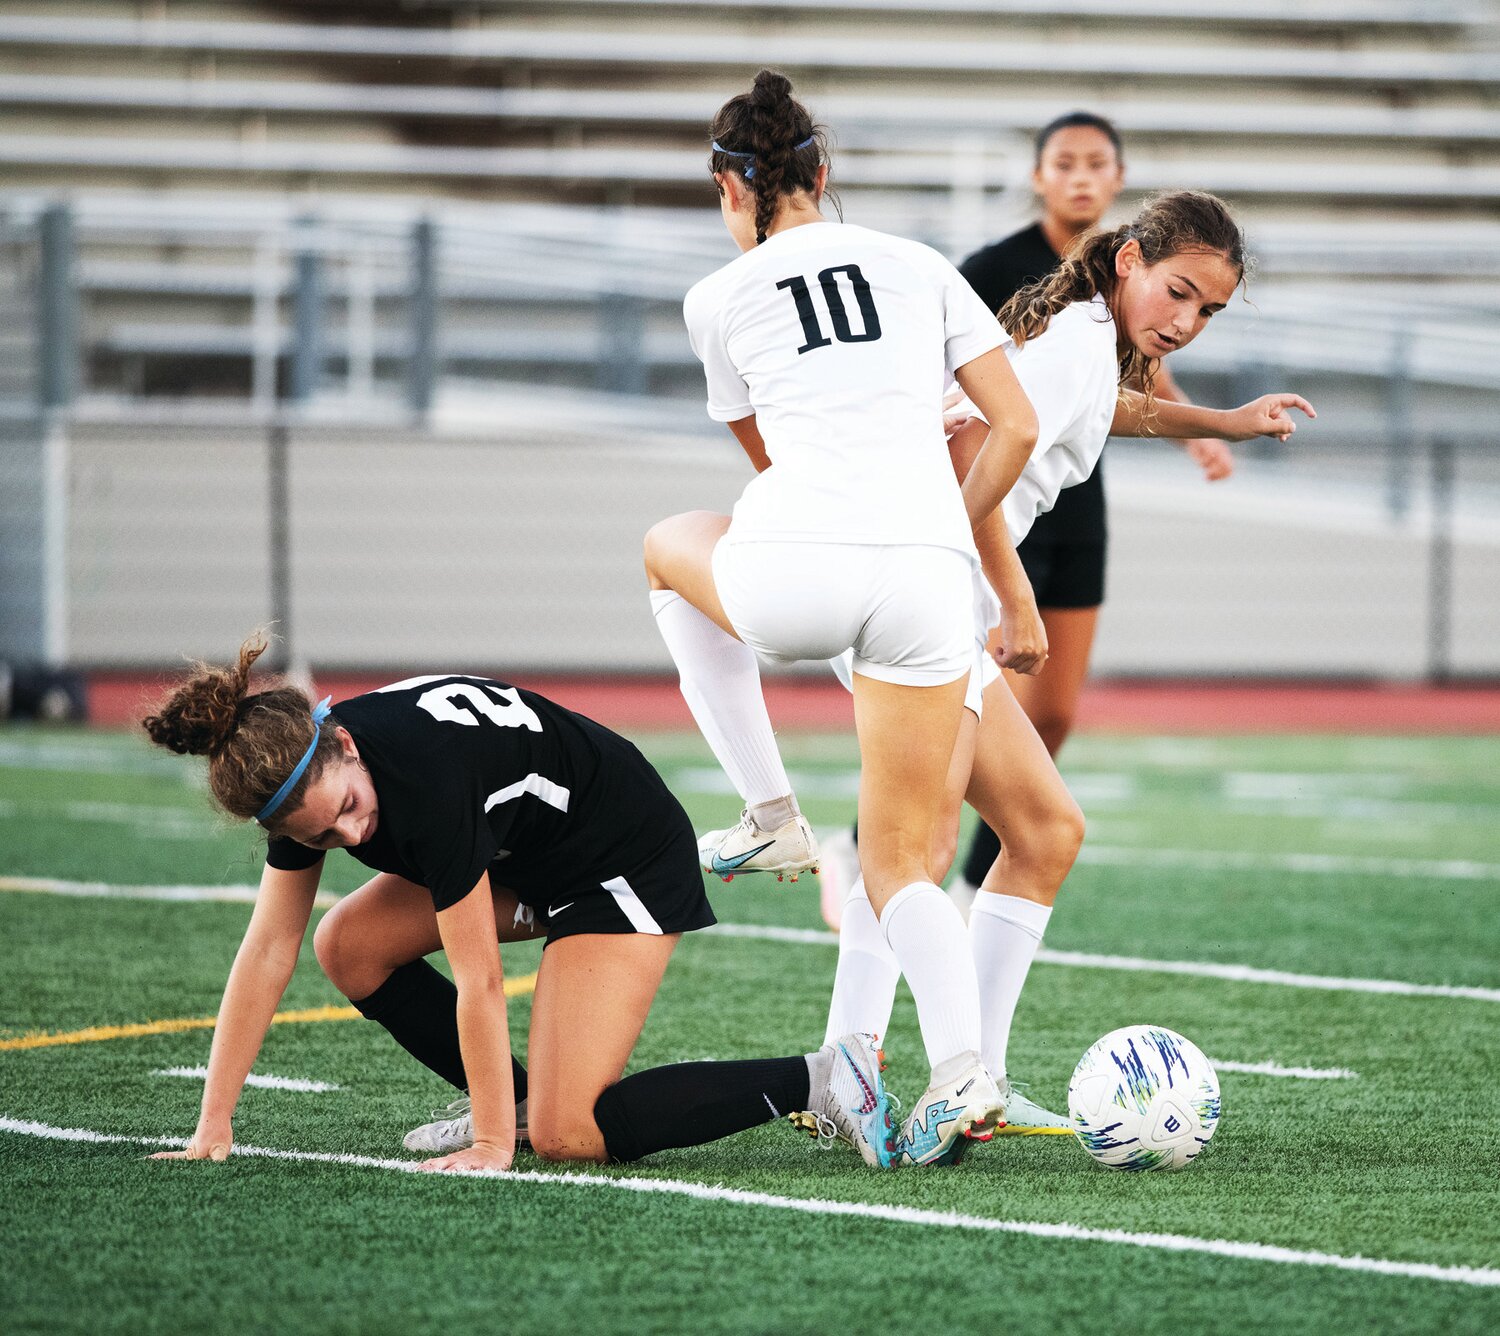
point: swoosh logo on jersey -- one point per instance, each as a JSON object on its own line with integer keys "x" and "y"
{"x": 717, "y": 864}
{"x": 554, "y": 910}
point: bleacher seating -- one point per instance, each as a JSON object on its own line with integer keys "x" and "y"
{"x": 205, "y": 154}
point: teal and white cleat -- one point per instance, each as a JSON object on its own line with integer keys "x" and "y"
{"x": 454, "y": 1129}
{"x": 852, "y": 1104}
{"x": 1024, "y": 1117}
{"x": 967, "y": 1106}
{"x": 790, "y": 849}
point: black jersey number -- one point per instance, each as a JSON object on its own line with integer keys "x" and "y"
{"x": 458, "y": 702}
{"x": 807, "y": 313}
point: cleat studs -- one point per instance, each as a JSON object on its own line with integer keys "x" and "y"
{"x": 795, "y": 875}
{"x": 729, "y": 876}
{"x": 781, "y": 877}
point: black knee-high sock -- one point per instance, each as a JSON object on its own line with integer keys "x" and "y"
{"x": 984, "y": 849}
{"x": 419, "y": 1006}
{"x": 694, "y": 1102}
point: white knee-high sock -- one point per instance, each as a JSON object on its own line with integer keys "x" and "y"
{"x": 864, "y": 988}
{"x": 927, "y": 937}
{"x": 1004, "y": 934}
{"x": 721, "y": 683}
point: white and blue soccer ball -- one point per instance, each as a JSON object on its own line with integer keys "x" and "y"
{"x": 1144, "y": 1097}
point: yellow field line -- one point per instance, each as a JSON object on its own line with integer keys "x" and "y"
{"x": 523, "y": 986}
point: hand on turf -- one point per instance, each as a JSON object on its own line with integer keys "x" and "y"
{"x": 208, "y": 1143}
{"x": 1266, "y": 416}
{"x": 1021, "y": 644}
{"x": 1213, "y": 457}
{"x": 476, "y": 1157}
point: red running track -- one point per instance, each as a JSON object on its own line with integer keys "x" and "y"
{"x": 117, "y": 699}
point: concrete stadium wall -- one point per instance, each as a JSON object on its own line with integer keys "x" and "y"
{"x": 518, "y": 547}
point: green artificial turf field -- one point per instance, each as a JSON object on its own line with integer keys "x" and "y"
{"x": 1351, "y": 859}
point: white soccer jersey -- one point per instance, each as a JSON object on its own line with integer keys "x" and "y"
{"x": 839, "y": 340}
{"x": 1071, "y": 374}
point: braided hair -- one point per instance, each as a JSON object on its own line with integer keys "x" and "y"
{"x": 768, "y": 138}
{"x": 1181, "y": 220}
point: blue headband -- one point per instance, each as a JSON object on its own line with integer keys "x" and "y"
{"x": 750, "y": 170}
{"x": 320, "y": 712}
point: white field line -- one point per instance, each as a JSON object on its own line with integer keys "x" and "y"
{"x": 1135, "y": 964}
{"x": 240, "y": 895}
{"x": 1219, "y": 860}
{"x": 1275, "y": 1069}
{"x": 903, "y": 1215}
{"x": 263, "y": 1082}
{"x": 818, "y": 937}
{"x": 89, "y": 759}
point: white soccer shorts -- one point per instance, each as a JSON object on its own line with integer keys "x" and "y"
{"x": 904, "y": 611}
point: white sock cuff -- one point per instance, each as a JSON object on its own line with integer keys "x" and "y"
{"x": 661, "y": 599}
{"x": 1027, "y": 915}
{"x": 904, "y": 896}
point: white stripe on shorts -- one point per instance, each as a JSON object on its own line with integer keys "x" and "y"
{"x": 554, "y": 795}
{"x": 631, "y": 906}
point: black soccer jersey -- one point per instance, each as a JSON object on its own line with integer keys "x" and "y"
{"x": 997, "y": 272}
{"x": 1000, "y": 270}
{"x": 471, "y": 774}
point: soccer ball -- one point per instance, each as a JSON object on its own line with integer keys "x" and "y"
{"x": 1144, "y": 1098}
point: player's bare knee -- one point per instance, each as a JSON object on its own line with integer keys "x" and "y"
{"x": 565, "y": 1139}
{"x": 1056, "y": 839}
{"x": 328, "y": 943}
{"x": 336, "y": 947}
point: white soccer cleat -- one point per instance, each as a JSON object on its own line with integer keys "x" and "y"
{"x": 837, "y": 872}
{"x": 950, "y": 1114}
{"x": 852, "y": 1106}
{"x": 454, "y": 1129}
{"x": 790, "y": 848}
{"x": 1024, "y": 1117}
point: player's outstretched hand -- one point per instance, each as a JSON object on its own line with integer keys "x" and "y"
{"x": 208, "y": 1143}
{"x": 1213, "y": 457}
{"x": 474, "y": 1158}
{"x": 1267, "y": 416}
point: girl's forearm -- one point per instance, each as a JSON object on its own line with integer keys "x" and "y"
{"x": 484, "y": 1043}
{"x": 256, "y": 983}
{"x": 1167, "y": 418}
{"x": 997, "y": 555}
{"x": 1001, "y": 459}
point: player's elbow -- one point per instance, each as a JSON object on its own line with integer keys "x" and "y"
{"x": 1021, "y": 431}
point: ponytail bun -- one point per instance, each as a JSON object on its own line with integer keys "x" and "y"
{"x": 200, "y": 716}
{"x": 253, "y": 741}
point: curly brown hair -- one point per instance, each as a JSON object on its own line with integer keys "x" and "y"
{"x": 1169, "y": 224}
{"x": 252, "y": 741}
{"x": 767, "y": 137}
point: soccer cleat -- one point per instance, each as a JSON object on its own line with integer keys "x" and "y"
{"x": 840, "y": 870}
{"x": 950, "y": 1114}
{"x": 1024, "y": 1117}
{"x": 791, "y": 848}
{"x": 454, "y": 1129}
{"x": 852, "y": 1106}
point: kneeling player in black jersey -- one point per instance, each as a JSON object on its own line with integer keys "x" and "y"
{"x": 487, "y": 812}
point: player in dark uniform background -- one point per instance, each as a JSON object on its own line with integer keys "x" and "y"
{"x": 1079, "y": 172}
{"x": 488, "y": 812}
